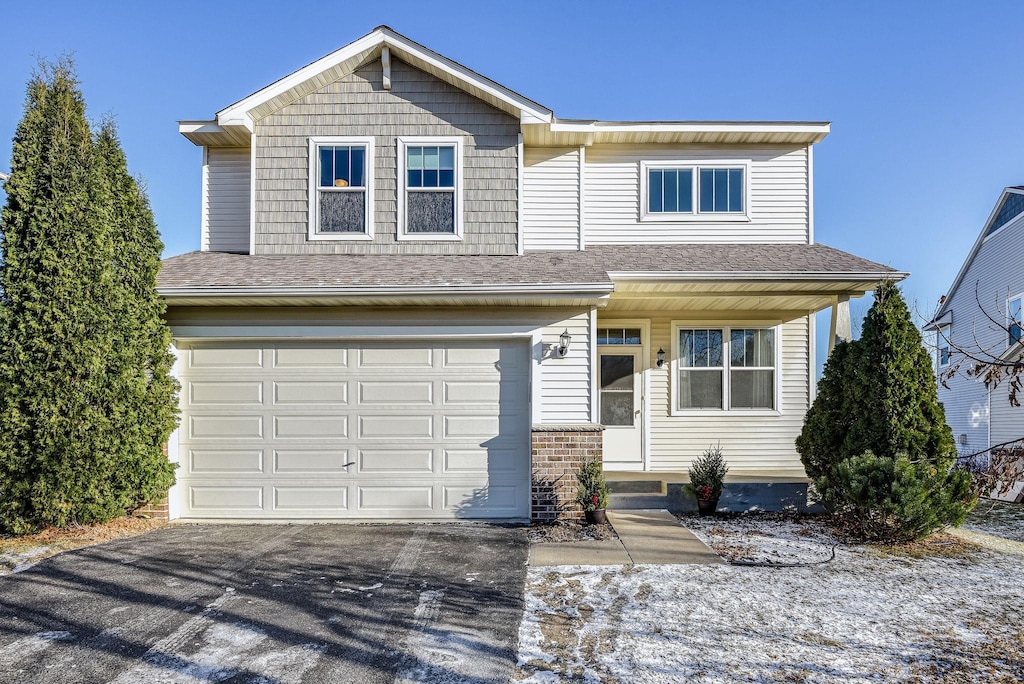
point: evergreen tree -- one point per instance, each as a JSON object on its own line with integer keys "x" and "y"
{"x": 65, "y": 432}
{"x": 875, "y": 440}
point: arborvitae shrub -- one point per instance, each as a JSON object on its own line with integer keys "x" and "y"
{"x": 875, "y": 441}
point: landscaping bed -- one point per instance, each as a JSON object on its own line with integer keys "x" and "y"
{"x": 569, "y": 531}
{"x": 20, "y": 553}
{"x": 940, "y": 610}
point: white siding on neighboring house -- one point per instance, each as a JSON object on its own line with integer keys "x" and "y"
{"x": 778, "y": 196}
{"x": 993, "y": 275}
{"x": 752, "y": 444}
{"x": 566, "y": 382}
{"x": 1007, "y": 420}
{"x": 226, "y": 193}
{"x": 551, "y": 198}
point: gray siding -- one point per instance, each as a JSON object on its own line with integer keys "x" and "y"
{"x": 226, "y": 200}
{"x": 996, "y": 274}
{"x": 418, "y": 104}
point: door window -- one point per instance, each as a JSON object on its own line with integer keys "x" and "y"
{"x": 617, "y": 395}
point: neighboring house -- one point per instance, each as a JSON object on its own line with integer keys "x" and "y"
{"x": 981, "y": 315}
{"x": 422, "y": 295}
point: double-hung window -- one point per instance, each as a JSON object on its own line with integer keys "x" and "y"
{"x": 341, "y": 188}
{"x": 725, "y": 368}
{"x": 430, "y": 189}
{"x": 1014, "y": 321}
{"x": 942, "y": 339}
{"x": 681, "y": 191}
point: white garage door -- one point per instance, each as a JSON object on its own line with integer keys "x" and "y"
{"x": 301, "y": 429}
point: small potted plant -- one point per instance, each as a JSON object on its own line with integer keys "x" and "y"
{"x": 592, "y": 491}
{"x": 707, "y": 476}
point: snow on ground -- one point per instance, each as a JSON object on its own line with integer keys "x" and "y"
{"x": 865, "y": 616}
{"x": 998, "y": 518}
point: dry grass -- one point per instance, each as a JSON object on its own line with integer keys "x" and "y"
{"x": 569, "y": 531}
{"x": 938, "y": 545}
{"x": 19, "y": 551}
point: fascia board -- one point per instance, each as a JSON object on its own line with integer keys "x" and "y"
{"x": 820, "y": 128}
{"x": 676, "y": 276}
{"x": 582, "y": 289}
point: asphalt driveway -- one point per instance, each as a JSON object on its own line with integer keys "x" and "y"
{"x": 271, "y": 603}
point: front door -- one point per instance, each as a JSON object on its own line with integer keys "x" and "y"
{"x": 621, "y": 406}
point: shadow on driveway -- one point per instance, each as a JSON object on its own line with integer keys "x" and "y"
{"x": 271, "y": 603}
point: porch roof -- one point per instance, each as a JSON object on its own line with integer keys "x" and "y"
{"x": 639, "y": 272}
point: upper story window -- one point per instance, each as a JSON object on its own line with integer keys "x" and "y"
{"x": 943, "y": 345}
{"x": 341, "y": 188}
{"x": 430, "y": 189}
{"x": 679, "y": 191}
{"x": 726, "y": 368}
{"x": 1014, "y": 321}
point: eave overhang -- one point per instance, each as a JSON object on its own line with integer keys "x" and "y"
{"x": 560, "y": 133}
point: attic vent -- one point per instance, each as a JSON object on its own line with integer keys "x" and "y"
{"x": 1012, "y": 206}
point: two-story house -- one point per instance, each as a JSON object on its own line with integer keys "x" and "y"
{"x": 422, "y": 295}
{"x": 980, "y": 320}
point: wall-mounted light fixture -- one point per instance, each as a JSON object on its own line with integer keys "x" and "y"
{"x": 563, "y": 344}
{"x": 661, "y": 358}
{"x": 962, "y": 439}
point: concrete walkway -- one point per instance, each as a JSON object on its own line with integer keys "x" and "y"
{"x": 645, "y": 536}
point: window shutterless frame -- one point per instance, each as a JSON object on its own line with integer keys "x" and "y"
{"x": 404, "y": 188}
{"x": 942, "y": 345}
{"x": 1014, "y": 319}
{"x": 316, "y": 188}
{"x": 671, "y": 196}
{"x": 725, "y": 368}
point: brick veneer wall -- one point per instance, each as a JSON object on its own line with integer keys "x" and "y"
{"x": 558, "y": 452}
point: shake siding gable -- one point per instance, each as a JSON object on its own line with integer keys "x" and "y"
{"x": 778, "y": 196}
{"x": 418, "y": 104}
{"x": 551, "y": 198}
{"x": 753, "y": 444}
{"x": 996, "y": 273}
{"x": 226, "y": 178}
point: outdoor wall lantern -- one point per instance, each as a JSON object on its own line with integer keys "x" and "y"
{"x": 661, "y": 357}
{"x": 563, "y": 343}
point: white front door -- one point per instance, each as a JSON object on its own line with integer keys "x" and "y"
{"x": 620, "y": 373}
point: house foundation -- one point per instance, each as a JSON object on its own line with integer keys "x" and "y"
{"x": 558, "y": 453}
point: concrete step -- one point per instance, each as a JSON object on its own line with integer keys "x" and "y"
{"x": 654, "y": 486}
{"x": 620, "y": 502}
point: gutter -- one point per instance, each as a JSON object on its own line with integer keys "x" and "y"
{"x": 812, "y": 276}
{"x": 214, "y": 291}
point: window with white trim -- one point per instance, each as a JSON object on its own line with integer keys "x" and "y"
{"x": 726, "y": 368}
{"x": 341, "y": 188}
{"x": 943, "y": 345}
{"x": 1014, "y": 321}
{"x": 682, "y": 191}
{"x": 430, "y": 188}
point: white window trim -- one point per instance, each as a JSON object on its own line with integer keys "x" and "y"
{"x": 403, "y": 177}
{"x": 942, "y": 342}
{"x": 1010, "y": 321}
{"x": 696, "y": 215}
{"x": 726, "y": 327}
{"x": 314, "y": 190}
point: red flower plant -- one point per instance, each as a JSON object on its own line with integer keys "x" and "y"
{"x": 704, "y": 492}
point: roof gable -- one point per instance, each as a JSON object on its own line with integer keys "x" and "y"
{"x": 347, "y": 59}
{"x": 1009, "y": 206}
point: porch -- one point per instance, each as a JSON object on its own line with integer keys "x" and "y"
{"x": 767, "y": 491}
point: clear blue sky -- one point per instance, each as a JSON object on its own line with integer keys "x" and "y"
{"x": 926, "y": 98}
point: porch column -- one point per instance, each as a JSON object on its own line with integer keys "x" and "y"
{"x": 840, "y": 330}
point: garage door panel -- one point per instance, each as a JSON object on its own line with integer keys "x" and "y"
{"x": 326, "y": 461}
{"x": 373, "y": 429}
{"x": 214, "y": 392}
{"x": 287, "y": 392}
{"x": 236, "y": 461}
{"x": 396, "y": 427}
{"x": 226, "y": 498}
{"x": 224, "y": 427}
{"x": 469, "y": 501}
{"x": 225, "y": 356}
{"x": 310, "y": 499}
{"x": 390, "y": 393}
{"x": 310, "y": 356}
{"x": 396, "y": 460}
{"x": 480, "y": 461}
{"x": 388, "y": 356}
{"x": 310, "y": 427}
{"x": 411, "y": 499}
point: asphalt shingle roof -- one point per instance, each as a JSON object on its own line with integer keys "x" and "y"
{"x": 591, "y": 266}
